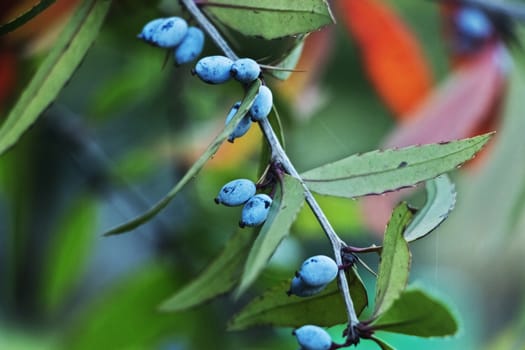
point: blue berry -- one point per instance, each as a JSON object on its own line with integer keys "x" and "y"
{"x": 301, "y": 289}
{"x": 473, "y": 23}
{"x": 149, "y": 29}
{"x": 190, "y": 47}
{"x": 245, "y": 70}
{"x": 262, "y": 105}
{"x": 242, "y": 127}
{"x": 236, "y": 192}
{"x": 256, "y": 210}
{"x": 169, "y": 33}
{"x": 312, "y": 337}
{"x": 214, "y": 69}
{"x": 318, "y": 271}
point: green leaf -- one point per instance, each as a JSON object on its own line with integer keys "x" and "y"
{"x": 219, "y": 277}
{"x": 286, "y": 204}
{"x": 416, "y": 313}
{"x": 68, "y": 251}
{"x": 289, "y": 62}
{"x": 25, "y": 17}
{"x": 395, "y": 260}
{"x": 125, "y": 316}
{"x": 382, "y": 344}
{"x": 441, "y": 198}
{"x": 270, "y": 19}
{"x": 276, "y": 308}
{"x": 381, "y": 171}
{"x": 55, "y": 71}
{"x": 195, "y": 168}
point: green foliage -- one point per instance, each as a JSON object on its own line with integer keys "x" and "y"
{"x": 441, "y": 198}
{"x": 276, "y": 308}
{"x": 286, "y": 204}
{"x": 126, "y": 317}
{"x": 68, "y": 251}
{"x": 416, "y": 313}
{"x": 271, "y": 19}
{"x": 381, "y": 171}
{"x": 383, "y": 345}
{"x": 55, "y": 71}
{"x": 195, "y": 168}
{"x": 394, "y": 266}
{"x": 289, "y": 61}
{"x": 221, "y": 275}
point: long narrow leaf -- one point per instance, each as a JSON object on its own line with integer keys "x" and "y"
{"x": 55, "y": 71}
{"x": 271, "y": 19}
{"x": 276, "y": 308}
{"x": 25, "y": 17}
{"x": 285, "y": 208}
{"x": 219, "y": 277}
{"x": 395, "y": 260}
{"x": 382, "y": 171}
{"x": 195, "y": 168}
{"x": 441, "y": 198}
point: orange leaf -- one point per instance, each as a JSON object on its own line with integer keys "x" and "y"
{"x": 392, "y": 57}
{"x": 460, "y": 106}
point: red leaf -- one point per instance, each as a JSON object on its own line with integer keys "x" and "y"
{"x": 466, "y": 104}
{"x": 392, "y": 56}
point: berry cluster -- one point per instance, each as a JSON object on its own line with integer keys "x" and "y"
{"x": 242, "y": 191}
{"x": 173, "y": 33}
{"x": 220, "y": 69}
{"x": 313, "y": 276}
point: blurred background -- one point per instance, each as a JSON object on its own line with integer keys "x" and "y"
{"x": 128, "y": 124}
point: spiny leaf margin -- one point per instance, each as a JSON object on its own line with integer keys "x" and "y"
{"x": 394, "y": 266}
{"x": 277, "y": 309}
{"x": 378, "y": 172}
{"x": 270, "y": 19}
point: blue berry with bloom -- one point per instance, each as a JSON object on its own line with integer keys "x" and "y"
{"x": 245, "y": 70}
{"x": 256, "y": 210}
{"x": 190, "y": 47}
{"x": 242, "y": 127}
{"x": 318, "y": 271}
{"x": 236, "y": 192}
{"x": 214, "y": 69}
{"x": 312, "y": 337}
{"x": 262, "y": 105}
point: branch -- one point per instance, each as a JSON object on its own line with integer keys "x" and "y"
{"x": 209, "y": 28}
{"x": 279, "y": 156}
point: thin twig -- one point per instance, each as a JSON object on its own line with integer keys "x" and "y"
{"x": 280, "y": 156}
{"x": 209, "y": 28}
